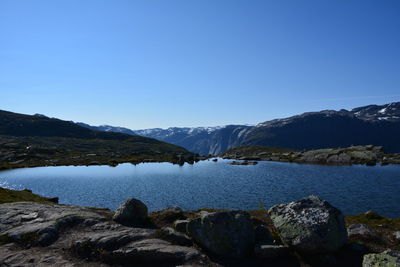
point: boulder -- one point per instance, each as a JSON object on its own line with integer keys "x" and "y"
{"x": 270, "y": 251}
{"x": 132, "y": 212}
{"x": 181, "y": 225}
{"x": 229, "y": 234}
{"x": 310, "y": 225}
{"x": 384, "y": 259}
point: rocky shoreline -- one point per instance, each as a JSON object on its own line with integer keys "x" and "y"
{"x": 367, "y": 155}
{"x": 307, "y": 232}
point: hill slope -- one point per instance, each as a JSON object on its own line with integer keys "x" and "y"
{"x": 37, "y": 140}
{"x": 377, "y": 125}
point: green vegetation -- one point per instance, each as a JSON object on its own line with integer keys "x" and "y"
{"x": 17, "y": 152}
{"x": 384, "y": 227}
{"x": 7, "y": 196}
{"x": 30, "y": 141}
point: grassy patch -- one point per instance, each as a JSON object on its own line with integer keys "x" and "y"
{"x": 384, "y": 227}
{"x": 374, "y": 220}
{"x": 7, "y": 196}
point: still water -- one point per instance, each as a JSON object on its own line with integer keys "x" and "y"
{"x": 353, "y": 189}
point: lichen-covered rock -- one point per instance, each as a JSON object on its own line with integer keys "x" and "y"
{"x": 310, "y": 225}
{"x": 385, "y": 259}
{"x": 270, "y": 251}
{"x": 228, "y": 233}
{"x": 131, "y": 213}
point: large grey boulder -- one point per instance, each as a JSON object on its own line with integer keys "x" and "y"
{"x": 132, "y": 212}
{"x": 310, "y": 225}
{"x": 384, "y": 259}
{"x": 228, "y": 233}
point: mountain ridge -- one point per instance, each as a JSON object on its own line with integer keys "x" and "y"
{"x": 371, "y": 124}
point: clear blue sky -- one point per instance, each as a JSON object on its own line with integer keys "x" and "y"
{"x": 149, "y": 63}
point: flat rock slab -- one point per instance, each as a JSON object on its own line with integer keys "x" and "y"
{"x": 33, "y": 234}
{"x": 12, "y": 255}
{"x": 155, "y": 251}
{"x": 28, "y": 221}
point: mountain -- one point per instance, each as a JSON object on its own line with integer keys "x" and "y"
{"x": 377, "y": 125}
{"x": 108, "y": 128}
{"x": 373, "y": 124}
{"x": 203, "y": 140}
{"x": 37, "y": 140}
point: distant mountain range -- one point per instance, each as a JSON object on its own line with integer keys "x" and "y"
{"x": 373, "y": 124}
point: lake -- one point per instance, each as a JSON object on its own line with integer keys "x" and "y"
{"x": 353, "y": 189}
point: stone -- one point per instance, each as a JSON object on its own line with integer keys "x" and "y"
{"x": 12, "y": 256}
{"x": 153, "y": 251}
{"x": 34, "y": 234}
{"x": 269, "y": 251}
{"x": 340, "y": 159}
{"x": 229, "y": 233}
{"x": 310, "y": 225}
{"x": 132, "y": 212}
{"x": 176, "y": 238}
{"x": 361, "y": 231}
{"x": 108, "y": 237}
{"x": 181, "y": 225}
{"x": 384, "y": 259}
{"x": 38, "y": 224}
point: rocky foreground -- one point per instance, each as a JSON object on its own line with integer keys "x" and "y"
{"x": 308, "y": 232}
{"x": 368, "y": 155}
